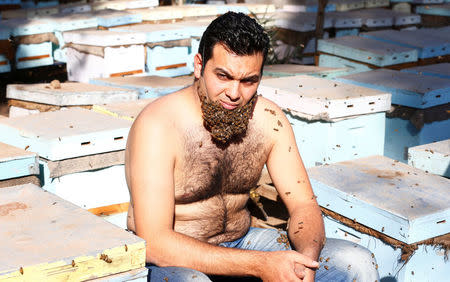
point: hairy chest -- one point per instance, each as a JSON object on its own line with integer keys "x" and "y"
{"x": 205, "y": 170}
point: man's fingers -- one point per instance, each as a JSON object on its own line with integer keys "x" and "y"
{"x": 299, "y": 271}
{"x": 306, "y": 261}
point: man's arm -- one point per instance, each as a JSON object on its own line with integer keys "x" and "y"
{"x": 150, "y": 163}
{"x": 306, "y": 228}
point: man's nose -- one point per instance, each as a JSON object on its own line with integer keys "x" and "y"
{"x": 233, "y": 91}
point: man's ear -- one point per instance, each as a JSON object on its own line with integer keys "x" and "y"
{"x": 198, "y": 65}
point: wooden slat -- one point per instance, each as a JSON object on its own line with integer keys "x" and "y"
{"x": 111, "y": 209}
{"x": 174, "y": 66}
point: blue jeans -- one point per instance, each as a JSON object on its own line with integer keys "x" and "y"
{"x": 341, "y": 260}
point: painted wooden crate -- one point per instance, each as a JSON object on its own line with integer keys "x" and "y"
{"x": 427, "y": 47}
{"x": 38, "y": 53}
{"x": 101, "y": 53}
{"x": 160, "y": 13}
{"x": 4, "y": 43}
{"x": 367, "y": 51}
{"x": 441, "y": 70}
{"x": 347, "y": 5}
{"x": 17, "y": 166}
{"x": 331, "y": 121}
{"x": 110, "y": 18}
{"x": 147, "y": 86}
{"x": 281, "y": 70}
{"x": 436, "y": 10}
{"x": 44, "y": 97}
{"x": 49, "y": 239}
{"x": 345, "y": 20}
{"x": 82, "y": 155}
{"x": 339, "y": 62}
{"x": 427, "y": 93}
{"x": 432, "y": 158}
{"x": 124, "y": 5}
{"x": 29, "y": 13}
{"x": 407, "y": 89}
{"x": 125, "y": 110}
{"x": 300, "y": 22}
{"x": 376, "y": 3}
{"x": 66, "y": 22}
{"x": 309, "y": 6}
{"x": 167, "y": 48}
{"x": 73, "y": 8}
{"x": 382, "y": 198}
{"x": 372, "y": 18}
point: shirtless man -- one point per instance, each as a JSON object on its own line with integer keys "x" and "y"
{"x": 192, "y": 158}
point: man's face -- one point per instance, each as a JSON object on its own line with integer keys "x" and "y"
{"x": 227, "y": 85}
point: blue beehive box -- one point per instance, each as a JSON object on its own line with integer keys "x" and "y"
{"x": 309, "y": 6}
{"x": 412, "y": 91}
{"x": 427, "y": 47}
{"x": 147, "y": 86}
{"x": 436, "y": 10}
{"x": 36, "y": 54}
{"x": 432, "y": 158}
{"x": 387, "y": 206}
{"x": 4, "y": 62}
{"x": 81, "y": 154}
{"x": 347, "y": 5}
{"x": 16, "y": 165}
{"x": 167, "y": 48}
{"x": 364, "y": 51}
{"x": 280, "y": 70}
{"x": 111, "y": 18}
{"x": 441, "y": 70}
{"x": 332, "y": 121}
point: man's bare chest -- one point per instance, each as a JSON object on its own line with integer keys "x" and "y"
{"x": 205, "y": 170}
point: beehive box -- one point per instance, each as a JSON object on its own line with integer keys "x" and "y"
{"x": 17, "y": 166}
{"x": 125, "y": 110}
{"x": 100, "y": 53}
{"x": 109, "y": 18}
{"x": 347, "y": 5}
{"x": 147, "y": 86}
{"x": 367, "y": 51}
{"x": 34, "y": 48}
{"x": 427, "y": 47}
{"x": 441, "y": 70}
{"x": 44, "y": 97}
{"x": 309, "y": 6}
{"x": 66, "y": 22}
{"x": 49, "y": 239}
{"x": 332, "y": 121}
{"x": 167, "y": 48}
{"x": 159, "y": 14}
{"x": 281, "y": 70}
{"x": 423, "y": 100}
{"x": 300, "y": 22}
{"x": 124, "y": 5}
{"x": 4, "y": 45}
{"x": 387, "y": 206}
{"x": 345, "y": 20}
{"x": 432, "y": 158}
{"x": 82, "y": 155}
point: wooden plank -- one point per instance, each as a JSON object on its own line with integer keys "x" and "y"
{"x": 69, "y": 94}
{"x": 402, "y": 202}
{"x": 368, "y": 50}
{"x": 433, "y": 157}
{"x": 110, "y": 210}
{"x": 85, "y": 163}
{"x": 135, "y": 275}
{"x": 321, "y": 97}
{"x": 58, "y": 241}
{"x": 407, "y": 89}
{"x": 74, "y": 132}
{"x": 33, "y": 179}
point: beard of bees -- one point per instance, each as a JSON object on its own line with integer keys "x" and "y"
{"x": 225, "y": 125}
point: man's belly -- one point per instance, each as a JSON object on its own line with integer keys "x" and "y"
{"x": 222, "y": 218}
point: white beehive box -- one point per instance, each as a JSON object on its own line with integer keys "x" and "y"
{"x": 100, "y": 53}
{"x": 17, "y": 165}
{"x": 331, "y": 121}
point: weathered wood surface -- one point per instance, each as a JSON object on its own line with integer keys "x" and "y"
{"x": 33, "y": 179}
{"x": 66, "y": 134}
{"x": 85, "y": 163}
{"x": 127, "y": 110}
{"x": 441, "y": 70}
{"x": 400, "y": 201}
{"x": 69, "y": 94}
{"x": 316, "y": 96}
{"x": 291, "y": 70}
{"x": 49, "y": 239}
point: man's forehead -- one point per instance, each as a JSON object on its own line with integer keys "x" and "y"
{"x": 225, "y": 59}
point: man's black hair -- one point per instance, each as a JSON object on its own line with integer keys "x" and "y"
{"x": 239, "y": 34}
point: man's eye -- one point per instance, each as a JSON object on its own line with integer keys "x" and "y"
{"x": 221, "y": 76}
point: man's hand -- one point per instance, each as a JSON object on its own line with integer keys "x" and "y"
{"x": 287, "y": 266}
